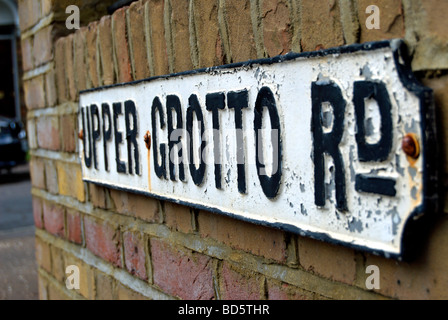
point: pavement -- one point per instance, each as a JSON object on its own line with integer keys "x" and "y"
{"x": 18, "y": 269}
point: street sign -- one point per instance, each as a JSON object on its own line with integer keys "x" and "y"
{"x": 337, "y": 144}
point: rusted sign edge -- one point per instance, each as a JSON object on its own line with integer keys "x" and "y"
{"x": 420, "y": 219}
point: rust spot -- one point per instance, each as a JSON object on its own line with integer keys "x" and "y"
{"x": 319, "y": 47}
{"x": 81, "y": 134}
{"x": 411, "y": 146}
{"x": 147, "y": 139}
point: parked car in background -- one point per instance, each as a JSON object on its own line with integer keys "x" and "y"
{"x": 13, "y": 144}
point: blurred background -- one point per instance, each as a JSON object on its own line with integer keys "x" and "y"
{"x": 18, "y": 271}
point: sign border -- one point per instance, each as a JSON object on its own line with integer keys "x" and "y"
{"x": 418, "y": 222}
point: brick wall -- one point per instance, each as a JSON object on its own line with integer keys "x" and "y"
{"x": 133, "y": 247}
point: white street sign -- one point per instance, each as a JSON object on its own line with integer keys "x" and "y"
{"x": 336, "y": 145}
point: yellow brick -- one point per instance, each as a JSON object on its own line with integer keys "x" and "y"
{"x": 70, "y": 181}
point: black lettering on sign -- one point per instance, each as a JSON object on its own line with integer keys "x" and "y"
{"x": 175, "y": 135}
{"x": 215, "y": 102}
{"x": 373, "y": 90}
{"x": 239, "y": 100}
{"x": 194, "y": 108}
{"x": 107, "y": 134}
{"x": 328, "y": 143}
{"x": 381, "y": 150}
{"x": 86, "y": 136}
{"x": 159, "y": 168}
{"x": 96, "y": 131}
{"x": 269, "y": 184}
{"x": 121, "y": 166}
{"x": 130, "y": 112}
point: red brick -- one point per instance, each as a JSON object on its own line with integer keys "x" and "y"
{"x": 74, "y": 232}
{"x": 37, "y": 172}
{"x": 184, "y": 274}
{"x": 48, "y": 133}
{"x": 121, "y": 46}
{"x": 334, "y": 262}
{"x": 238, "y": 286}
{"x": 106, "y": 50}
{"x": 158, "y": 42}
{"x": 92, "y": 54}
{"x": 103, "y": 240}
{"x": 137, "y": 40}
{"x": 249, "y": 237}
{"x": 54, "y": 219}
{"x": 134, "y": 254}
{"x": 277, "y": 31}
{"x": 37, "y": 213}
{"x": 321, "y": 25}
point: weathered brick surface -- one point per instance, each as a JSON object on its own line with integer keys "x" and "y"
{"x": 321, "y": 26}
{"x": 106, "y": 51}
{"x": 93, "y": 59}
{"x": 333, "y": 262}
{"x": 178, "y": 217}
{"x": 51, "y": 177}
{"x": 48, "y": 133}
{"x": 137, "y": 40}
{"x": 184, "y": 274}
{"x": 43, "y": 255}
{"x": 391, "y": 20}
{"x": 208, "y": 38}
{"x": 74, "y": 231}
{"x": 54, "y": 219}
{"x": 277, "y": 31}
{"x": 103, "y": 240}
{"x": 70, "y": 181}
{"x": 61, "y": 81}
{"x": 180, "y": 35}
{"x": 262, "y": 241}
{"x": 43, "y": 46}
{"x": 37, "y": 213}
{"x": 136, "y": 205}
{"x": 157, "y": 31}
{"x": 283, "y": 291}
{"x": 68, "y": 133}
{"x": 240, "y": 286}
{"x": 80, "y": 59}
{"x": 241, "y": 36}
{"x": 104, "y": 286}
{"x": 121, "y": 46}
{"x": 35, "y": 92}
{"x": 37, "y": 172}
{"x": 134, "y": 254}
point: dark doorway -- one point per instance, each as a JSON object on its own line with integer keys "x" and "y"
{"x": 7, "y": 91}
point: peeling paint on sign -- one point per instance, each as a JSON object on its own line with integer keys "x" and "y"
{"x": 310, "y": 143}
